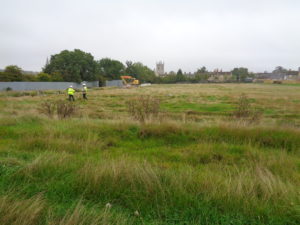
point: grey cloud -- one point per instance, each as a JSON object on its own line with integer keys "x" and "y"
{"x": 258, "y": 34}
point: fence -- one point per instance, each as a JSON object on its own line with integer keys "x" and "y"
{"x": 114, "y": 83}
{"x": 27, "y": 86}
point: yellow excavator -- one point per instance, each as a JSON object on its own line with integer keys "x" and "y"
{"x": 129, "y": 81}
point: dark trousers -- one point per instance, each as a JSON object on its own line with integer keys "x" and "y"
{"x": 71, "y": 98}
{"x": 84, "y": 96}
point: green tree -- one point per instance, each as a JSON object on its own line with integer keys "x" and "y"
{"x": 111, "y": 69}
{"x": 201, "y": 77}
{"x": 56, "y": 76}
{"x": 170, "y": 78}
{"x": 140, "y": 72}
{"x": 239, "y": 74}
{"x": 43, "y": 77}
{"x": 179, "y": 76}
{"x": 4, "y": 77}
{"x": 280, "y": 70}
{"x": 29, "y": 77}
{"x": 12, "y": 73}
{"x": 73, "y": 66}
{"x": 129, "y": 67}
{"x": 202, "y": 70}
{"x": 13, "y": 69}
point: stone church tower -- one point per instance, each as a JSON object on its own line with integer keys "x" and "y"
{"x": 160, "y": 68}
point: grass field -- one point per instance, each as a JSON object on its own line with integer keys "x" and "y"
{"x": 193, "y": 164}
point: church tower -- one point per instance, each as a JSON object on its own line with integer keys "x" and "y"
{"x": 160, "y": 68}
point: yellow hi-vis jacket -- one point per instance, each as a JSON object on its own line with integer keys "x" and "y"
{"x": 71, "y": 91}
{"x": 84, "y": 90}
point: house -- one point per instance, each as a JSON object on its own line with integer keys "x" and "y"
{"x": 220, "y": 76}
{"x": 278, "y": 76}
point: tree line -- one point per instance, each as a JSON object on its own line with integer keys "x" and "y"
{"x": 78, "y": 66}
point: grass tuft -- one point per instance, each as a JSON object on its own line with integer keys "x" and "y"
{"x": 21, "y": 212}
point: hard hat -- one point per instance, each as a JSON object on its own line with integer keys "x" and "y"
{"x": 83, "y": 84}
{"x": 71, "y": 86}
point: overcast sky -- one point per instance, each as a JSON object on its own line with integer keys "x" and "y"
{"x": 186, "y": 34}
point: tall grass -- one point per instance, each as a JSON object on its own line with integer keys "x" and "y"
{"x": 170, "y": 173}
{"x": 139, "y": 185}
{"x": 45, "y": 165}
{"x": 35, "y": 211}
{"x": 80, "y": 215}
{"x": 21, "y": 212}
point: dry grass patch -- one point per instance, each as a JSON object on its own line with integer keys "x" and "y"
{"x": 21, "y": 212}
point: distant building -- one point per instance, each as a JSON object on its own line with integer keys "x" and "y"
{"x": 291, "y": 75}
{"x": 160, "y": 68}
{"x": 219, "y": 76}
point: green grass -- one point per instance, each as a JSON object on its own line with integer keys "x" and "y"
{"x": 183, "y": 106}
{"x": 170, "y": 174}
{"x": 171, "y": 170}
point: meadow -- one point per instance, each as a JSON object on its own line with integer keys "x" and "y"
{"x": 193, "y": 163}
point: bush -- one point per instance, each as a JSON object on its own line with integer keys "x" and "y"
{"x": 244, "y": 107}
{"x": 245, "y": 110}
{"x": 47, "y": 108}
{"x": 65, "y": 109}
{"x": 144, "y": 108}
{"x": 60, "y": 108}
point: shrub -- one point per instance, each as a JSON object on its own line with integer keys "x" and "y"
{"x": 65, "y": 109}
{"x": 144, "y": 108}
{"x": 245, "y": 110}
{"x": 47, "y": 108}
{"x": 60, "y": 108}
{"x": 8, "y": 89}
{"x": 34, "y": 93}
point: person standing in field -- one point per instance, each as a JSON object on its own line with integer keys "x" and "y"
{"x": 84, "y": 91}
{"x": 71, "y": 92}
